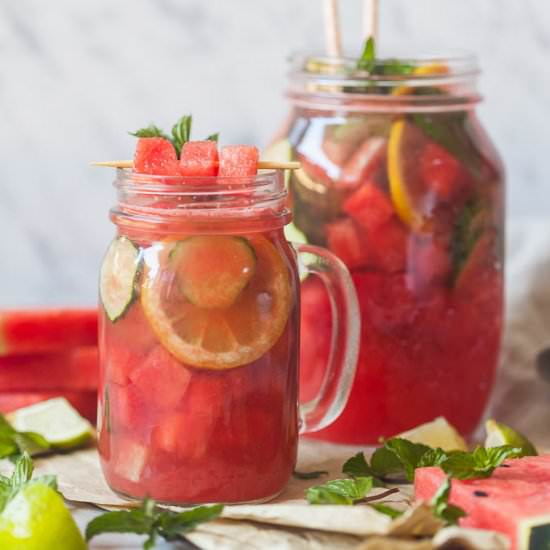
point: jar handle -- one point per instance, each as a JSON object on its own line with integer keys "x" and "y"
{"x": 335, "y": 388}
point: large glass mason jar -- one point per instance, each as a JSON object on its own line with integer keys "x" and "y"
{"x": 400, "y": 181}
{"x": 199, "y": 340}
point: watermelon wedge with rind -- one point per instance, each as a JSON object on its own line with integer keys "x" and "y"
{"x": 74, "y": 369}
{"x": 514, "y": 501}
{"x": 30, "y": 331}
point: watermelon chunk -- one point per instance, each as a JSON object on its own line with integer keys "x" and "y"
{"x": 85, "y": 402}
{"x": 72, "y": 370}
{"x": 161, "y": 379}
{"x": 199, "y": 159}
{"x": 46, "y": 330}
{"x": 239, "y": 161}
{"x": 439, "y": 170}
{"x": 388, "y": 247}
{"x": 347, "y": 241}
{"x": 515, "y": 500}
{"x": 369, "y": 206}
{"x": 156, "y": 156}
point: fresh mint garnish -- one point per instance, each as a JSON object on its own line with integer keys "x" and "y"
{"x": 213, "y": 137}
{"x": 480, "y": 463}
{"x": 149, "y": 132}
{"x": 367, "y": 61}
{"x": 13, "y": 442}
{"x": 340, "y": 491}
{"x": 449, "y": 513}
{"x": 468, "y": 229}
{"x": 388, "y": 510}
{"x": 181, "y": 132}
{"x": 154, "y": 522}
{"x": 315, "y": 474}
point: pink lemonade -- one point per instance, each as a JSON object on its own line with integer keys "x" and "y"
{"x": 199, "y": 330}
{"x": 401, "y": 182}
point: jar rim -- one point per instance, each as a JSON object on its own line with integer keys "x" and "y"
{"x": 419, "y": 83}
{"x": 204, "y": 203}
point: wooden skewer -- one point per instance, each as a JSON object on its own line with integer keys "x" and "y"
{"x": 262, "y": 164}
{"x": 332, "y": 28}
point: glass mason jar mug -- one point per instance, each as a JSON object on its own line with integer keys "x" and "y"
{"x": 199, "y": 340}
{"x": 401, "y": 182}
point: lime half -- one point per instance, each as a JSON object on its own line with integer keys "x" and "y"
{"x": 437, "y": 433}
{"x": 499, "y": 434}
{"x": 54, "y": 419}
{"x": 37, "y": 519}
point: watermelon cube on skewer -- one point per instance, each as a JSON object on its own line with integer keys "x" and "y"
{"x": 239, "y": 161}
{"x": 199, "y": 158}
{"x": 156, "y": 156}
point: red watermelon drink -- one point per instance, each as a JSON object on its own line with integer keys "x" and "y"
{"x": 199, "y": 329}
{"x": 401, "y": 182}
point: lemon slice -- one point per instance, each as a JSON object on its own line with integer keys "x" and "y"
{"x": 217, "y": 337}
{"x": 437, "y": 433}
{"x": 424, "y": 70}
{"x": 499, "y": 434}
{"x": 56, "y": 420}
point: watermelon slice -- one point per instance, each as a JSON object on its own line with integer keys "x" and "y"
{"x": 346, "y": 239}
{"x": 239, "y": 161}
{"x": 515, "y": 500}
{"x": 156, "y": 156}
{"x": 85, "y": 402}
{"x": 199, "y": 159}
{"x": 47, "y": 330}
{"x": 72, "y": 370}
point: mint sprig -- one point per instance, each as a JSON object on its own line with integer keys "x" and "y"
{"x": 314, "y": 474}
{"x": 149, "y": 132}
{"x": 213, "y": 137}
{"x": 449, "y": 513}
{"x": 154, "y": 522}
{"x": 181, "y": 132}
{"x": 367, "y": 60}
{"x": 13, "y": 443}
{"x": 480, "y": 463}
{"x": 21, "y": 476}
{"x": 340, "y": 491}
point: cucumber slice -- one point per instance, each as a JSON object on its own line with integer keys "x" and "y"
{"x": 118, "y": 277}
{"x": 213, "y": 270}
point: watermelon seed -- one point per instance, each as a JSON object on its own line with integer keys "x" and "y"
{"x": 481, "y": 494}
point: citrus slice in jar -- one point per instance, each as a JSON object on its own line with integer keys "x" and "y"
{"x": 406, "y": 187}
{"x": 216, "y": 301}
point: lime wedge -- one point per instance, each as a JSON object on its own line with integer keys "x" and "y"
{"x": 499, "y": 434}
{"x": 437, "y": 433}
{"x": 56, "y": 420}
{"x": 37, "y": 519}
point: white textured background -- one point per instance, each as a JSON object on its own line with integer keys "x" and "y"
{"x": 76, "y": 75}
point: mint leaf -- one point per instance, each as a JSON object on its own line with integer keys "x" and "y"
{"x": 340, "y": 491}
{"x": 309, "y": 475}
{"x": 357, "y": 466}
{"x": 149, "y": 131}
{"x": 22, "y": 472}
{"x": 367, "y": 61}
{"x": 449, "y": 513}
{"x": 432, "y": 457}
{"x": 153, "y": 521}
{"x": 181, "y": 132}
{"x": 384, "y": 462}
{"x": 13, "y": 442}
{"x": 213, "y": 137}
{"x": 172, "y": 524}
{"x": 388, "y": 510}
{"x": 481, "y": 463}
{"x": 408, "y": 453}
{"x": 468, "y": 228}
